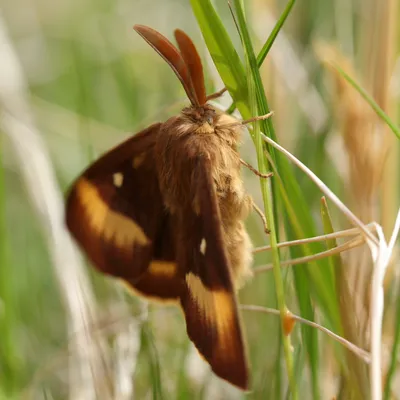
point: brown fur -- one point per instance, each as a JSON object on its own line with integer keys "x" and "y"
{"x": 201, "y": 131}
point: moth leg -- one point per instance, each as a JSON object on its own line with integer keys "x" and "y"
{"x": 261, "y": 214}
{"x": 255, "y": 171}
{"x": 216, "y": 94}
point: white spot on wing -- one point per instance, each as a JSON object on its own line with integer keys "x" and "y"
{"x": 203, "y": 246}
{"x": 118, "y": 179}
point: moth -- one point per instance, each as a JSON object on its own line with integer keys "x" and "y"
{"x": 164, "y": 211}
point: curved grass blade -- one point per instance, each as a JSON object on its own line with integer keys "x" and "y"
{"x": 395, "y": 129}
{"x": 270, "y": 41}
{"x": 272, "y": 36}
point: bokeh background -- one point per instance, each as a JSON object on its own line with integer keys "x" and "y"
{"x": 75, "y": 79}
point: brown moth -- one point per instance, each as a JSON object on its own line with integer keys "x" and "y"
{"x": 165, "y": 210}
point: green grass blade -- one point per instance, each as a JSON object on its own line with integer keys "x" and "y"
{"x": 154, "y": 364}
{"x": 394, "y": 354}
{"x": 300, "y": 224}
{"x": 9, "y": 364}
{"x": 271, "y": 39}
{"x": 317, "y": 276}
{"x": 370, "y": 101}
{"x": 328, "y": 228}
{"x": 255, "y": 83}
{"x": 223, "y": 53}
{"x": 320, "y": 273}
{"x": 335, "y": 261}
{"x": 182, "y": 383}
{"x": 355, "y": 378}
{"x": 274, "y": 33}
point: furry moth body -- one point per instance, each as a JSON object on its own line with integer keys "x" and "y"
{"x": 165, "y": 211}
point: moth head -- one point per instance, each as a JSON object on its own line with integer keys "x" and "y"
{"x": 185, "y": 62}
{"x": 201, "y": 115}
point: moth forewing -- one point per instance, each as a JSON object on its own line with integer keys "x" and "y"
{"x": 209, "y": 301}
{"x": 114, "y": 211}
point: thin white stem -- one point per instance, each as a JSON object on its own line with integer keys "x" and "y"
{"x": 359, "y": 352}
{"x": 328, "y": 253}
{"x": 321, "y": 238}
{"x": 247, "y": 121}
{"x": 381, "y": 256}
{"x": 395, "y": 233}
{"x": 325, "y": 189}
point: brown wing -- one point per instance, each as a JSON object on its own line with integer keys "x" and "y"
{"x": 114, "y": 211}
{"x": 208, "y": 299}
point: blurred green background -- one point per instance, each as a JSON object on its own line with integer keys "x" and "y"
{"x": 89, "y": 81}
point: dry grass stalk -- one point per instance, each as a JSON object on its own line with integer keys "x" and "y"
{"x": 365, "y": 154}
{"x": 367, "y": 149}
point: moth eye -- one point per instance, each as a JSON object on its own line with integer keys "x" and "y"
{"x": 118, "y": 179}
{"x": 203, "y": 246}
